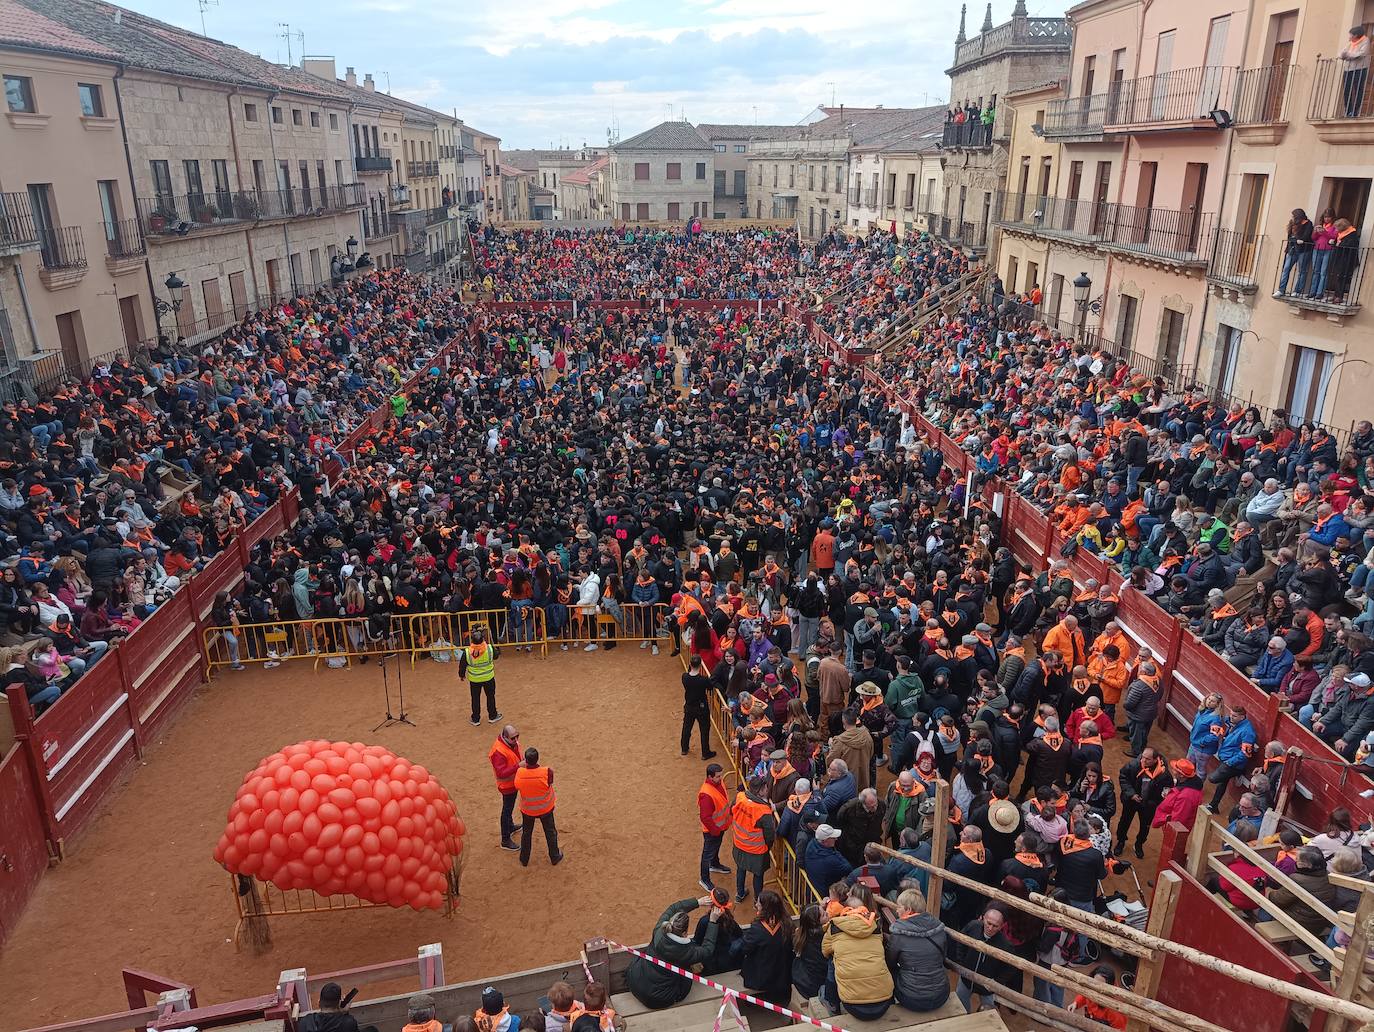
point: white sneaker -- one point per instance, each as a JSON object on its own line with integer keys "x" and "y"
{"x": 643, "y": 644}
{"x": 591, "y": 647}
{"x": 655, "y": 648}
{"x": 271, "y": 663}
{"x": 564, "y": 646}
{"x": 272, "y": 654}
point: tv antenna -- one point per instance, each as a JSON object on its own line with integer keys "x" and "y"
{"x": 203, "y": 4}
{"x": 288, "y": 35}
{"x": 832, "y": 94}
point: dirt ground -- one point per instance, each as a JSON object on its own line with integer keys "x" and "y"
{"x": 140, "y": 888}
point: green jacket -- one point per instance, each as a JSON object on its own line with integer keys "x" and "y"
{"x": 904, "y": 695}
{"x": 657, "y": 987}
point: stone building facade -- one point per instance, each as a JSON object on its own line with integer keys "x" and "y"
{"x": 663, "y": 173}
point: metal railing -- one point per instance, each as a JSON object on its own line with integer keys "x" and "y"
{"x": 62, "y": 247}
{"x": 1075, "y": 116}
{"x": 967, "y": 134}
{"x": 1080, "y": 220}
{"x": 1186, "y": 94}
{"x": 870, "y": 197}
{"x": 181, "y": 214}
{"x": 1337, "y": 93}
{"x": 379, "y": 162}
{"x": 16, "y": 220}
{"x": 422, "y": 168}
{"x": 1235, "y": 258}
{"x": 1262, "y": 94}
{"x": 1338, "y": 291}
{"x": 433, "y": 216}
{"x": 123, "y": 239}
{"x": 1180, "y": 235}
{"x": 854, "y": 195}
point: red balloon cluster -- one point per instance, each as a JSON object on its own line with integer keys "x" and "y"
{"x": 340, "y": 817}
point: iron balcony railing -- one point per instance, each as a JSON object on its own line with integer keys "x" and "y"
{"x": 854, "y": 195}
{"x": 1184, "y": 95}
{"x": 967, "y": 134}
{"x": 62, "y": 247}
{"x": 1075, "y": 116}
{"x": 1337, "y": 93}
{"x": 433, "y": 216}
{"x": 123, "y": 239}
{"x": 379, "y": 162}
{"x": 181, "y": 214}
{"x": 1235, "y": 258}
{"x": 16, "y": 220}
{"x": 1182, "y": 236}
{"x": 1339, "y": 293}
{"x": 870, "y": 198}
{"x": 1262, "y": 94}
{"x": 422, "y": 168}
{"x": 1080, "y": 220}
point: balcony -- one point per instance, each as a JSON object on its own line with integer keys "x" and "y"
{"x": 1235, "y": 260}
{"x": 968, "y": 135}
{"x": 1340, "y": 295}
{"x": 1181, "y": 99}
{"x": 1180, "y": 238}
{"x": 1080, "y": 118}
{"x": 125, "y": 247}
{"x": 1260, "y": 107}
{"x": 63, "y": 254}
{"x": 178, "y": 215}
{"x": 17, "y": 229}
{"x": 422, "y": 169}
{"x": 1022, "y": 35}
{"x": 1342, "y": 110}
{"x": 370, "y": 163}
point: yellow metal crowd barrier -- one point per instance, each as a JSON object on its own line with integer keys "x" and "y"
{"x": 429, "y": 634}
{"x": 793, "y": 884}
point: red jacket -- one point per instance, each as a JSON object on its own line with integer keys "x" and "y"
{"x": 1179, "y": 805}
{"x": 1241, "y": 870}
{"x": 1105, "y": 728}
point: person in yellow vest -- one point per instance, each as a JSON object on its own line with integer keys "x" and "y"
{"x": 713, "y": 808}
{"x": 504, "y": 755}
{"x": 535, "y": 787}
{"x": 755, "y": 827}
{"x": 477, "y": 666}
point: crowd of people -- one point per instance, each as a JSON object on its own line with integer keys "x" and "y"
{"x": 118, "y": 487}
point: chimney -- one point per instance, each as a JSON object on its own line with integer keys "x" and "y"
{"x": 350, "y": 76}
{"x": 368, "y": 84}
{"x": 320, "y": 67}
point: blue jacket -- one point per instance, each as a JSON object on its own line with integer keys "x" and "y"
{"x": 837, "y": 793}
{"x": 1333, "y": 528}
{"x": 644, "y": 594}
{"x": 1270, "y": 669}
{"x": 1201, "y": 737}
{"x": 825, "y": 865}
{"x": 1234, "y": 751}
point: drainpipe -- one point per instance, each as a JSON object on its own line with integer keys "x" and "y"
{"x": 28, "y": 308}
{"x": 1221, "y": 203}
{"x": 129, "y": 164}
{"x": 276, "y": 163}
{"x": 238, "y": 178}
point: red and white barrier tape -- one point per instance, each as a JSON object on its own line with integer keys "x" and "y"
{"x": 731, "y": 995}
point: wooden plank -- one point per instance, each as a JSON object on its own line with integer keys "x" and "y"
{"x": 1160, "y": 922}
{"x": 939, "y": 847}
{"x": 1197, "y": 843}
{"x": 1348, "y": 982}
{"x": 1275, "y": 875}
{"x": 1315, "y": 944}
{"x": 1040, "y": 1013}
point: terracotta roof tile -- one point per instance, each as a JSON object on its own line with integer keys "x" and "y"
{"x": 21, "y": 26}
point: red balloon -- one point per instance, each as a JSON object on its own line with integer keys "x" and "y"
{"x": 340, "y": 817}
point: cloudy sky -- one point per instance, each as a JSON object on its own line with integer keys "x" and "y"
{"x": 542, "y": 73}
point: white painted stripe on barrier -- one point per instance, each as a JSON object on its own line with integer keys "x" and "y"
{"x": 172, "y": 681}
{"x": 115, "y": 750}
{"x": 90, "y": 733}
{"x": 187, "y": 630}
{"x": 1192, "y": 688}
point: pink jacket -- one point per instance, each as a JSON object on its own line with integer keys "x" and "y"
{"x": 1324, "y": 237}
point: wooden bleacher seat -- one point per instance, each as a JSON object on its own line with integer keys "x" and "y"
{"x": 1275, "y": 932}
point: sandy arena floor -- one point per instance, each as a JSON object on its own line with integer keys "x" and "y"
{"x": 141, "y": 889}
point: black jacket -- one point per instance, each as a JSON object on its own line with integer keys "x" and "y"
{"x": 916, "y": 954}
{"x": 656, "y": 987}
{"x": 767, "y": 962}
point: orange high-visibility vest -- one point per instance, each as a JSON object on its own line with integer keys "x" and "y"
{"x": 747, "y": 816}
{"x": 536, "y": 793}
{"x": 720, "y": 809}
{"x": 500, "y": 748}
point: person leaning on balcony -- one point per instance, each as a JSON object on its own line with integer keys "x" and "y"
{"x": 1355, "y": 71}
{"x": 1297, "y": 253}
{"x": 1345, "y": 261}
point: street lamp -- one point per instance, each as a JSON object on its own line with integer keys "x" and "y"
{"x": 175, "y": 286}
{"x": 351, "y": 243}
{"x": 1082, "y": 290}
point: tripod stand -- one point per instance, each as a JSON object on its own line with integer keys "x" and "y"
{"x": 400, "y": 692}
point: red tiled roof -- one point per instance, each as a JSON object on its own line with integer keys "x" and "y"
{"x": 583, "y": 176}
{"x": 22, "y": 27}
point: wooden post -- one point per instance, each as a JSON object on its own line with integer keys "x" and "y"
{"x": 597, "y": 956}
{"x": 1349, "y": 981}
{"x": 939, "y": 846}
{"x": 1160, "y": 921}
{"x": 1197, "y": 843}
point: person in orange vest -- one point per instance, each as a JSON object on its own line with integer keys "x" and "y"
{"x": 713, "y": 807}
{"x": 535, "y": 786}
{"x": 755, "y": 827}
{"x": 505, "y": 762}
